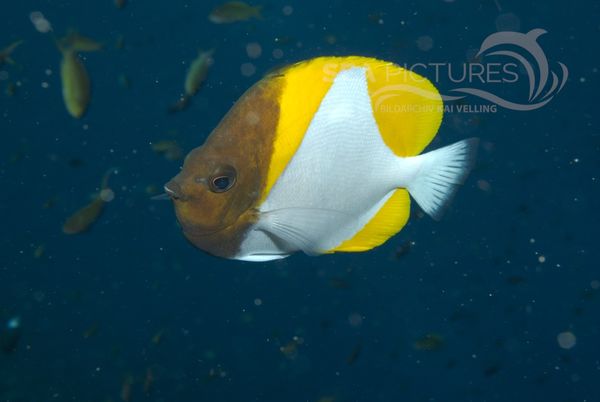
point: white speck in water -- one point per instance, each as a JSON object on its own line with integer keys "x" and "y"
{"x": 247, "y": 69}
{"x": 107, "y": 195}
{"x": 254, "y": 50}
{"x": 566, "y": 340}
{"x": 277, "y": 53}
{"x": 425, "y": 43}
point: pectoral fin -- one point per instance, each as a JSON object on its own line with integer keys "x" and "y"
{"x": 305, "y": 229}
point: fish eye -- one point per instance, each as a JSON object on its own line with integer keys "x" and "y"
{"x": 222, "y": 180}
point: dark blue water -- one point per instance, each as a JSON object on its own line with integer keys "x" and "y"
{"x": 130, "y": 306}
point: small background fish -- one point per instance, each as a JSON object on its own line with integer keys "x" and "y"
{"x": 234, "y": 11}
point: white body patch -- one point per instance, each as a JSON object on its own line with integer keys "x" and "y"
{"x": 340, "y": 176}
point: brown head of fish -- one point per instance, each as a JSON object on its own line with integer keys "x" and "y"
{"x": 217, "y": 191}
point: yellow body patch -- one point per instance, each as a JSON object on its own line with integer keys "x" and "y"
{"x": 387, "y": 222}
{"x": 304, "y": 86}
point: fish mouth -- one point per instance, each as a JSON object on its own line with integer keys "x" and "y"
{"x": 174, "y": 191}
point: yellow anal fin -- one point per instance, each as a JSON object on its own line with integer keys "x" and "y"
{"x": 388, "y": 221}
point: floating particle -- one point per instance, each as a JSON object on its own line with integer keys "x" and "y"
{"x": 39, "y": 251}
{"x": 508, "y": 22}
{"x": 247, "y": 69}
{"x": 541, "y": 259}
{"x": 45, "y": 85}
{"x": 425, "y": 43}
{"x": 484, "y": 185}
{"x": 40, "y": 22}
{"x": 566, "y": 340}
{"x": 39, "y": 296}
{"x": 253, "y": 50}
{"x": 277, "y": 53}
{"x": 355, "y": 319}
{"x": 330, "y": 39}
{"x": 124, "y": 81}
{"x": 287, "y": 10}
{"x": 257, "y": 302}
{"x": 107, "y": 195}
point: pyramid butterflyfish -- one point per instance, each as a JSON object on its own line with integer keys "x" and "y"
{"x": 321, "y": 156}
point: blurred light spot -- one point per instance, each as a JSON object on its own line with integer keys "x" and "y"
{"x": 107, "y": 195}
{"x": 566, "y": 340}
{"x": 355, "y": 319}
{"x": 40, "y": 22}
{"x": 484, "y": 185}
{"x": 425, "y": 43}
{"x": 277, "y": 53}
{"x": 287, "y": 10}
{"x": 247, "y": 69}
{"x": 508, "y": 22}
{"x": 254, "y": 50}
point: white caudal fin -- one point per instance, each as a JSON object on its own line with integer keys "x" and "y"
{"x": 439, "y": 173}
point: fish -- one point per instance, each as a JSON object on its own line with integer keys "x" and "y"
{"x": 234, "y": 11}
{"x": 429, "y": 342}
{"x": 83, "y": 219}
{"x": 169, "y": 149}
{"x": 354, "y": 355}
{"x": 180, "y": 105}
{"x": 74, "y": 77}
{"x": 11, "y": 89}
{"x": 79, "y": 43}
{"x": 149, "y": 380}
{"x": 319, "y": 157}
{"x": 5, "y": 54}
{"x": 126, "y": 388}
{"x": 120, "y": 4}
{"x": 10, "y": 335}
{"x": 197, "y": 72}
